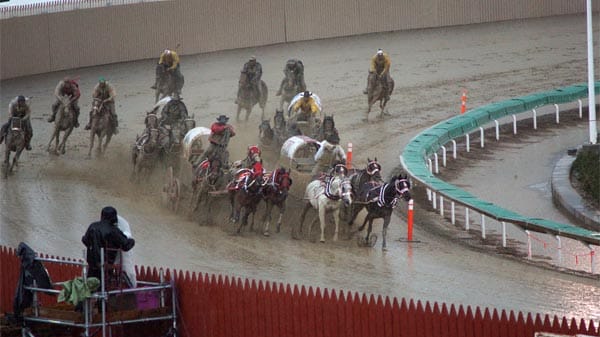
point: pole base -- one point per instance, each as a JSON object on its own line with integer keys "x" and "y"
{"x": 408, "y": 241}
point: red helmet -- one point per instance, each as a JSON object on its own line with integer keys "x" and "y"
{"x": 253, "y": 149}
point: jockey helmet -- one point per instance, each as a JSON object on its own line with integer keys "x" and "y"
{"x": 222, "y": 119}
{"x": 253, "y": 149}
{"x": 380, "y": 51}
{"x": 101, "y": 79}
{"x": 252, "y": 58}
{"x": 306, "y": 94}
{"x": 109, "y": 213}
{"x": 20, "y": 99}
{"x": 167, "y": 52}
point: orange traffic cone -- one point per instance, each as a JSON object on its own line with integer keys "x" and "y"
{"x": 463, "y": 104}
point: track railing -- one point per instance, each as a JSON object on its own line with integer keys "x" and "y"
{"x": 420, "y": 159}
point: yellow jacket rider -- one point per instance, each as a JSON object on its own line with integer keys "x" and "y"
{"x": 380, "y": 66}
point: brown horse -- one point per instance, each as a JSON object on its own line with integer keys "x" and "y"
{"x": 275, "y": 192}
{"x": 244, "y": 193}
{"x": 209, "y": 176}
{"x": 144, "y": 154}
{"x": 376, "y": 92}
{"x": 102, "y": 127}
{"x": 290, "y": 88}
{"x": 248, "y": 97}
{"x": 65, "y": 122}
{"x": 15, "y": 142}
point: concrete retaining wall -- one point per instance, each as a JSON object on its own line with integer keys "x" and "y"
{"x": 95, "y": 36}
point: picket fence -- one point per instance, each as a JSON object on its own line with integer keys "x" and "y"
{"x": 216, "y": 305}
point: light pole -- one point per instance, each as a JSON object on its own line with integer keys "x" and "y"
{"x": 591, "y": 89}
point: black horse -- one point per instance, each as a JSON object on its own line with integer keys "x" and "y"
{"x": 244, "y": 193}
{"x": 381, "y": 203}
{"x": 277, "y": 134}
{"x": 275, "y": 193}
{"x": 363, "y": 180}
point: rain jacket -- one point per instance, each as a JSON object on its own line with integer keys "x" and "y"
{"x": 31, "y": 270}
{"x": 306, "y": 105}
{"x": 104, "y": 93}
{"x": 380, "y": 66}
{"x": 73, "y": 92}
{"x": 172, "y": 61}
{"x": 217, "y": 133}
{"x": 103, "y": 234}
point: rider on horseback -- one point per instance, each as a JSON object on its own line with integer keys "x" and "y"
{"x": 327, "y": 129}
{"x": 18, "y": 107}
{"x": 379, "y": 70}
{"x": 105, "y": 92}
{"x": 252, "y": 71}
{"x": 329, "y": 155}
{"x": 169, "y": 61}
{"x": 220, "y": 133}
{"x": 67, "y": 87}
{"x": 296, "y": 68}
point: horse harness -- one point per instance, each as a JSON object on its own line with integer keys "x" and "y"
{"x": 401, "y": 186}
{"x": 329, "y": 194}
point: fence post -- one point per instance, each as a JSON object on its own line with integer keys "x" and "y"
{"x": 514, "y": 124}
{"x": 410, "y": 219}
{"x": 497, "y": 129}
{"x": 482, "y": 136}
{"x": 557, "y": 113}
{"x": 534, "y": 119}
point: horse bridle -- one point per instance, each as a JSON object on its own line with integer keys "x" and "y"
{"x": 400, "y": 191}
{"x": 343, "y": 183}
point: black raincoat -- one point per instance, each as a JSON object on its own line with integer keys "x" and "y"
{"x": 31, "y": 270}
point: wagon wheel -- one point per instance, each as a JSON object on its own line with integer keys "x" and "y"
{"x": 172, "y": 189}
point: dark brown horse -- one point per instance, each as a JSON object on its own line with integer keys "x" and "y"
{"x": 64, "y": 122}
{"x": 102, "y": 127}
{"x": 290, "y": 88}
{"x": 144, "y": 154}
{"x": 275, "y": 192}
{"x": 15, "y": 142}
{"x": 381, "y": 203}
{"x": 376, "y": 91}
{"x": 249, "y": 97}
{"x": 244, "y": 193}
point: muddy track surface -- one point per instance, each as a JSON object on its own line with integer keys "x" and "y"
{"x": 50, "y": 201}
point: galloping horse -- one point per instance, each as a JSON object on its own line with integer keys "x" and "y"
{"x": 265, "y": 133}
{"x": 15, "y": 142}
{"x": 65, "y": 121}
{"x": 167, "y": 83}
{"x": 381, "y": 203}
{"x": 244, "y": 192}
{"x": 208, "y": 176}
{"x": 144, "y": 154}
{"x": 376, "y": 92}
{"x": 275, "y": 192}
{"x": 249, "y": 97}
{"x": 101, "y": 127}
{"x": 291, "y": 87}
{"x": 363, "y": 180}
{"x": 327, "y": 194}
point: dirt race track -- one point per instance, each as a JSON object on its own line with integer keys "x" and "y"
{"x": 50, "y": 201}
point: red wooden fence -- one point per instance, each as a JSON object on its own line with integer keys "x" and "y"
{"x": 211, "y": 305}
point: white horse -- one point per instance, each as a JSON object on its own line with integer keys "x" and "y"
{"x": 324, "y": 195}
